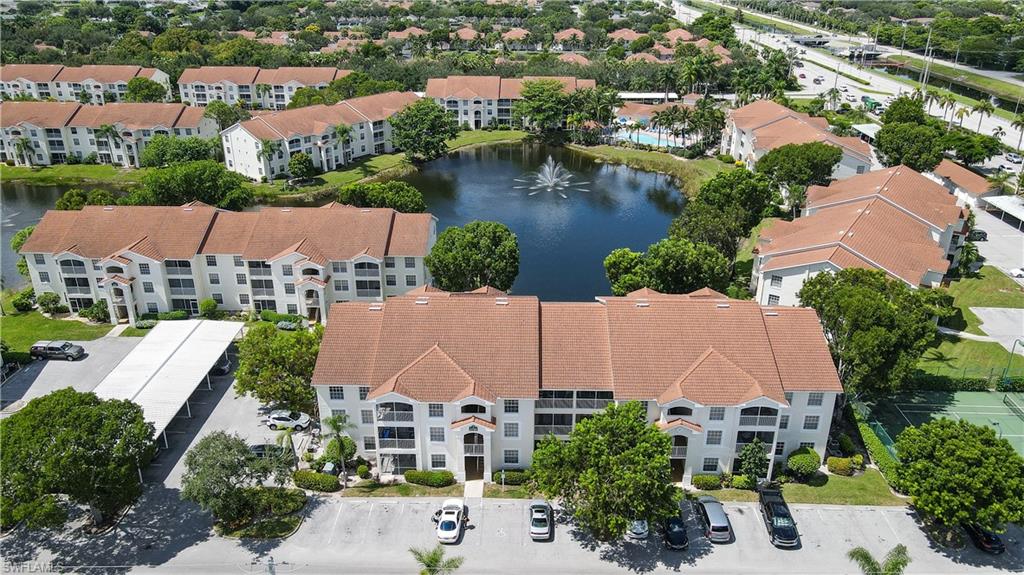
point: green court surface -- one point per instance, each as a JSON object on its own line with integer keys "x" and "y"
{"x": 1002, "y": 411}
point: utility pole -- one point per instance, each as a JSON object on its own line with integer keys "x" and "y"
{"x": 904, "y": 40}
{"x": 927, "y": 48}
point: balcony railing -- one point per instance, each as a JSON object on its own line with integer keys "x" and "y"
{"x": 542, "y": 430}
{"x": 78, "y": 290}
{"x": 473, "y": 449}
{"x": 759, "y": 420}
{"x": 679, "y": 452}
{"x": 72, "y": 270}
{"x": 549, "y": 403}
{"x": 396, "y": 443}
{"x": 593, "y": 403}
{"x": 183, "y": 291}
{"x": 367, "y": 293}
{"x": 179, "y": 271}
{"x": 259, "y": 271}
{"x": 364, "y": 273}
{"x": 263, "y": 292}
{"x": 394, "y": 416}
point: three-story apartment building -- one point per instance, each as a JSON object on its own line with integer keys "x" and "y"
{"x": 97, "y": 84}
{"x": 260, "y": 148}
{"x": 471, "y": 382}
{"x": 479, "y": 101}
{"x": 252, "y": 87}
{"x": 150, "y": 259}
{"x": 116, "y": 133}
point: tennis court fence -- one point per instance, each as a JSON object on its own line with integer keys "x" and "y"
{"x": 867, "y": 417}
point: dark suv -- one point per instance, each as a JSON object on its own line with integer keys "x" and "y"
{"x": 51, "y": 349}
{"x": 777, "y": 519}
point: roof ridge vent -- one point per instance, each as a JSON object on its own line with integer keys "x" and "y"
{"x": 422, "y": 300}
{"x": 365, "y": 210}
{"x": 376, "y": 307}
{"x": 501, "y": 301}
{"x": 286, "y": 209}
{"x": 108, "y": 208}
{"x": 188, "y": 209}
{"x": 722, "y": 305}
{"x": 771, "y": 313}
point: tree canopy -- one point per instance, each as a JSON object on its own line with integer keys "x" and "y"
{"x": 207, "y": 181}
{"x": 905, "y": 110}
{"x": 423, "y": 129}
{"x": 672, "y": 265}
{"x": 542, "y": 105}
{"x": 163, "y": 150}
{"x": 275, "y": 366}
{"x": 801, "y": 164}
{"x": 876, "y": 327}
{"x": 219, "y": 471}
{"x": 77, "y": 198}
{"x": 143, "y": 89}
{"x": 918, "y": 146}
{"x": 225, "y": 114}
{"x": 971, "y": 148}
{"x": 613, "y": 470}
{"x": 960, "y": 472}
{"x": 74, "y": 444}
{"x": 476, "y": 255}
{"x": 300, "y": 165}
{"x": 397, "y": 195}
{"x": 17, "y": 241}
{"x": 353, "y": 85}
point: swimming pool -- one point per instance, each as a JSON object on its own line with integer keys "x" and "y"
{"x": 645, "y": 138}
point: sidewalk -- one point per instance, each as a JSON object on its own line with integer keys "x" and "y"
{"x": 474, "y": 489}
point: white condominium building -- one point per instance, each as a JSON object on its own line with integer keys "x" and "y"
{"x": 252, "y": 87}
{"x": 895, "y": 220}
{"x": 116, "y": 133}
{"x": 479, "y": 101}
{"x": 150, "y": 259}
{"x": 471, "y": 382}
{"x": 260, "y": 148}
{"x": 97, "y": 84}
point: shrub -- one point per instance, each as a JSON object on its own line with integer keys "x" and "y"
{"x": 18, "y": 357}
{"x": 208, "y": 308}
{"x": 846, "y": 444}
{"x": 363, "y": 472}
{"x": 726, "y": 159}
{"x": 97, "y": 312}
{"x": 840, "y": 465}
{"x": 803, "y": 462}
{"x": 48, "y": 302}
{"x": 430, "y": 478}
{"x": 931, "y": 382}
{"x": 274, "y": 317}
{"x": 172, "y": 315}
{"x": 72, "y": 160}
{"x": 881, "y": 457}
{"x": 1015, "y": 383}
{"x": 145, "y": 324}
{"x": 91, "y": 158}
{"x": 338, "y": 452}
{"x": 306, "y": 479}
{"x": 512, "y": 476}
{"x": 61, "y": 309}
{"x": 22, "y": 303}
{"x": 743, "y": 482}
{"x": 858, "y": 461}
{"x": 706, "y": 482}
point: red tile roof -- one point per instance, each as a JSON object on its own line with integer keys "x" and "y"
{"x": 971, "y": 182}
{"x": 624, "y": 34}
{"x": 568, "y": 33}
{"x": 40, "y": 114}
{"x": 514, "y": 34}
{"x": 107, "y": 74}
{"x": 403, "y": 34}
{"x": 573, "y": 58}
{"x": 494, "y": 87}
{"x": 305, "y": 75}
{"x": 321, "y": 119}
{"x": 644, "y": 57}
{"x": 31, "y": 72}
{"x": 678, "y": 34}
{"x": 240, "y": 75}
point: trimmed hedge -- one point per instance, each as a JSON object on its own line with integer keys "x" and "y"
{"x": 145, "y": 324}
{"x": 743, "y": 482}
{"x": 18, "y": 357}
{"x": 430, "y": 478}
{"x": 840, "y": 466}
{"x": 846, "y": 444}
{"x": 1011, "y": 384}
{"x": 165, "y": 315}
{"x": 512, "y": 476}
{"x": 921, "y": 381}
{"x": 886, "y": 463}
{"x": 306, "y": 479}
{"x": 363, "y": 472}
{"x": 803, "y": 462}
{"x": 706, "y": 482}
{"x": 274, "y": 317}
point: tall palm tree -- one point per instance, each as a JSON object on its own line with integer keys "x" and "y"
{"x": 433, "y": 561}
{"x": 895, "y": 561}
{"x": 261, "y": 91}
{"x": 983, "y": 108}
{"x": 683, "y": 117}
{"x": 284, "y": 441}
{"x": 947, "y": 101}
{"x": 832, "y": 96}
{"x": 342, "y": 132}
{"x": 689, "y": 74}
{"x": 667, "y": 78}
{"x": 960, "y": 114}
{"x": 111, "y": 135}
{"x": 267, "y": 149}
{"x": 23, "y": 149}
{"x": 1018, "y": 124}
{"x": 931, "y": 97}
{"x": 661, "y": 120}
{"x": 335, "y": 427}
{"x": 998, "y": 132}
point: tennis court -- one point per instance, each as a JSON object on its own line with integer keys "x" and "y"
{"x": 1002, "y": 411}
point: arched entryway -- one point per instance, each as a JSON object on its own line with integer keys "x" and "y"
{"x": 473, "y": 447}
{"x": 678, "y": 457}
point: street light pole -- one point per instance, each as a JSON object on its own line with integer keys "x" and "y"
{"x": 1013, "y": 348}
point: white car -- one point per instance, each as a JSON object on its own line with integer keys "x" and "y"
{"x": 638, "y": 530}
{"x": 1014, "y": 158}
{"x": 284, "y": 419}
{"x": 1017, "y": 273}
{"x": 844, "y": 88}
{"x": 450, "y": 520}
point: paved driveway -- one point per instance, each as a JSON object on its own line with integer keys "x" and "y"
{"x": 1004, "y": 324}
{"x": 1005, "y": 245}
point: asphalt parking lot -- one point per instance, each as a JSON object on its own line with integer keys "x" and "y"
{"x": 1004, "y": 247}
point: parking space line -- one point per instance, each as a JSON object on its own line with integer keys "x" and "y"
{"x": 368, "y": 516}
{"x": 334, "y": 524}
{"x": 891, "y": 528}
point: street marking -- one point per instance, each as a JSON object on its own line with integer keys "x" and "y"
{"x": 368, "y": 515}
{"x": 334, "y": 525}
{"x": 891, "y": 528}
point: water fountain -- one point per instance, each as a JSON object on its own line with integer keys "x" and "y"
{"x": 551, "y": 177}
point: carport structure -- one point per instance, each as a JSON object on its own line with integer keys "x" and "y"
{"x": 1007, "y": 205}
{"x": 161, "y": 373}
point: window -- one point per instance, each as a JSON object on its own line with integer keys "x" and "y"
{"x": 437, "y": 434}
{"x": 44, "y": 277}
{"x": 96, "y": 266}
{"x": 811, "y": 421}
{"x": 511, "y": 457}
{"x": 780, "y": 448}
{"x": 804, "y": 444}
{"x": 293, "y": 309}
{"x": 773, "y": 300}
{"x": 776, "y": 281}
{"x": 511, "y": 429}
{"x": 789, "y": 397}
{"x": 366, "y": 416}
{"x": 336, "y": 392}
{"x": 717, "y": 414}
{"x": 151, "y": 307}
{"x": 211, "y": 261}
{"x": 240, "y": 279}
{"x": 410, "y": 281}
{"x": 214, "y": 279}
{"x": 710, "y": 465}
{"x": 435, "y": 409}
{"x": 178, "y": 267}
{"x": 389, "y": 262}
{"x": 436, "y": 460}
{"x": 339, "y": 267}
{"x": 511, "y": 406}
{"x": 238, "y": 261}
{"x": 337, "y": 412}
{"x": 219, "y": 298}
{"x": 784, "y": 422}
{"x": 391, "y": 281}
{"x": 144, "y": 269}
{"x": 410, "y": 262}
{"x": 289, "y": 289}
{"x": 286, "y": 270}
{"x": 40, "y": 259}
{"x": 147, "y": 287}
{"x": 340, "y": 285}
{"x": 369, "y": 443}
{"x": 714, "y": 438}
{"x": 243, "y": 298}
{"x": 815, "y": 398}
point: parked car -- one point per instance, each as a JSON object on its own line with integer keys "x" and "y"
{"x": 450, "y": 520}
{"x": 777, "y": 519}
{"x": 222, "y": 367}
{"x": 675, "y": 533}
{"x": 984, "y": 539}
{"x": 1014, "y": 158}
{"x": 818, "y": 80}
{"x": 284, "y": 419}
{"x": 638, "y": 530}
{"x": 803, "y": 76}
{"x": 1017, "y": 273}
{"x": 541, "y": 525}
{"x": 844, "y": 88}
{"x": 52, "y": 349}
{"x": 716, "y": 523}
{"x": 977, "y": 235}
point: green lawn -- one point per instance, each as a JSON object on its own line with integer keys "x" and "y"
{"x": 21, "y": 330}
{"x": 868, "y": 488}
{"x": 999, "y": 88}
{"x": 71, "y": 174}
{"x": 745, "y": 256}
{"x": 132, "y": 331}
{"x": 373, "y": 489}
{"x": 753, "y": 18}
{"x": 476, "y": 137}
{"x": 690, "y": 173}
{"x": 507, "y": 492}
{"x": 988, "y": 288}
{"x": 957, "y": 357}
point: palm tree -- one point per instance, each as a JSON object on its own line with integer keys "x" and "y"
{"x": 336, "y": 426}
{"x": 960, "y": 114}
{"x": 284, "y": 441}
{"x": 998, "y": 132}
{"x": 983, "y": 108}
{"x": 23, "y": 149}
{"x": 683, "y": 116}
{"x": 667, "y": 78}
{"x": 109, "y": 133}
{"x": 267, "y": 149}
{"x": 660, "y": 120}
{"x": 342, "y": 133}
{"x": 931, "y": 97}
{"x": 689, "y": 74}
{"x": 433, "y": 562}
{"x": 832, "y": 96}
{"x": 895, "y": 561}
{"x": 947, "y": 101}
{"x": 261, "y": 91}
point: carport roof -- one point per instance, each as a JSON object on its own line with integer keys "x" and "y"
{"x": 167, "y": 365}
{"x": 1012, "y": 205}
